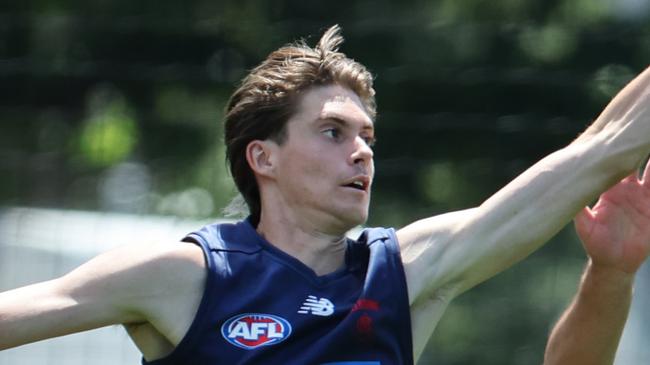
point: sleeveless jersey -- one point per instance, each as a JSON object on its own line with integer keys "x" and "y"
{"x": 263, "y": 306}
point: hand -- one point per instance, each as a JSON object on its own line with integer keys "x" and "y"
{"x": 616, "y": 231}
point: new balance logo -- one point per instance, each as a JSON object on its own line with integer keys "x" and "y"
{"x": 318, "y": 307}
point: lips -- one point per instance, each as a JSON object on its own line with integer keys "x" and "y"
{"x": 361, "y": 183}
{"x": 357, "y": 185}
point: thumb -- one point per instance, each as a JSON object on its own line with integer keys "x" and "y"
{"x": 584, "y": 222}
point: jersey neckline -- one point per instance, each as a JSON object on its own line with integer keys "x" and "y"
{"x": 353, "y": 261}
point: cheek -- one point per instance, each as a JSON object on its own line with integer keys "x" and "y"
{"x": 307, "y": 171}
{"x": 316, "y": 175}
{"x": 316, "y": 168}
{"x": 311, "y": 162}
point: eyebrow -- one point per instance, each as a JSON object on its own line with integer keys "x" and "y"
{"x": 338, "y": 119}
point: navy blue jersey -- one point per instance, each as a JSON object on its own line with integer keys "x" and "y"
{"x": 263, "y": 306}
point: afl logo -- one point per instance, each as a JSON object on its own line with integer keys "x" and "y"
{"x": 253, "y": 330}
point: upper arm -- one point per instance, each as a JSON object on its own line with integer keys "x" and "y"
{"x": 121, "y": 286}
{"x": 464, "y": 248}
{"x": 538, "y": 203}
{"x": 446, "y": 255}
{"x": 424, "y": 247}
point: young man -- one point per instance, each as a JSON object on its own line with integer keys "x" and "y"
{"x": 286, "y": 287}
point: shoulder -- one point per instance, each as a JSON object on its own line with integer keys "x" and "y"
{"x": 237, "y": 236}
{"x": 185, "y": 254}
{"x": 163, "y": 268}
{"x": 421, "y": 236}
{"x": 132, "y": 278}
{"x": 141, "y": 260}
{"x": 170, "y": 286}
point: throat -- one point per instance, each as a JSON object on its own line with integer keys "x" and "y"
{"x": 323, "y": 266}
{"x": 322, "y": 260}
{"x": 321, "y": 253}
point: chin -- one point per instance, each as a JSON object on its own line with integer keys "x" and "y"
{"x": 344, "y": 218}
{"x": 356, "y": 218}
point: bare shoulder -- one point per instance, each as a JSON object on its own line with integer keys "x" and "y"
{"x": 137, "y": 283}
{"x": 156, "y": 274}
{"x": 167, "y": 284}
{"x": 425, "y": 235}
{"x": 181, "y": 259}
{"x": 149, "y": 264}
{"x": 426, "y": 247}
{"x": 178, "y": 268}
{"x": 160, "y": 285}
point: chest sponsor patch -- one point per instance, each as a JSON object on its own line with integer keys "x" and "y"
{"x": 252, "y": 330}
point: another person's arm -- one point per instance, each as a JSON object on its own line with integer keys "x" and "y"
{"x": 616, "y": 236}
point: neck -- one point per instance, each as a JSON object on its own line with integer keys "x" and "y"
{"x": 322, "y": 252}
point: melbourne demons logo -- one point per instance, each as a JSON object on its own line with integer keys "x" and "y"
{"x": 253, "y": 330}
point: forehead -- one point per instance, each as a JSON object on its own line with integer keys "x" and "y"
{"x": 332, "y": 101}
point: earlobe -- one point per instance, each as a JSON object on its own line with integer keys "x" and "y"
{"x": 259, "y": 157}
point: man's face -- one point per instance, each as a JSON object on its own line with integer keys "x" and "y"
{"x": 325, "y": 166}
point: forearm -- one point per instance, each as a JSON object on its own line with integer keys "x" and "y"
{"x": 534, "y": 207}
{"x": 590, "y": 329}
{"x": 462, "y": 250}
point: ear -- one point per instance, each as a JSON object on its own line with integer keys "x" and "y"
{"x": 260, "y": 157}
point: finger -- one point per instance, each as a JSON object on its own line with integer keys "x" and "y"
{"x": 584, "y": 221}
{"x": 632, "y": 178}
{"x": 646, "y": 172}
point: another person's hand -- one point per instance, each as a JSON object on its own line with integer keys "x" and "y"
{"x": 616, "y": 231}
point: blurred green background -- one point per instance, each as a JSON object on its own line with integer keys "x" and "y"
{"x": 116, "y": 106}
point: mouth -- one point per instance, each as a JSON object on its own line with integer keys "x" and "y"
{"x": 361, "y": 183}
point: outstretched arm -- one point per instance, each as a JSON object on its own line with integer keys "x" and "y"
{"x": 123, "y": 286}
{"x": 444, "y": 256}
{"x": 616, "y": 236}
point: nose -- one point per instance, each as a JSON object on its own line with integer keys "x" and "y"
{"x": 362, "y": 153}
